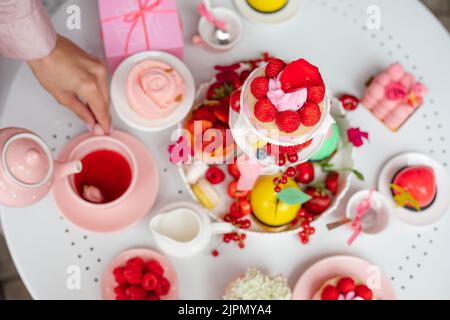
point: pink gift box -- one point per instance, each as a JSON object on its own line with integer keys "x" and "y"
{"x": 132, "y": 26}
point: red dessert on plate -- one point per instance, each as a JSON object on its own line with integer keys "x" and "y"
{"x": 414, "y": 187}
{"x": 344, "y": 288}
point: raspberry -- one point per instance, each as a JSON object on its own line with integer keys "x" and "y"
{"x": 316, "y": 94}
{"x": 274, "y": 67}
{"x": 136, "y": 293}
{"x": 259, "y": 87}
{"x": 154, "y": 267}
{"x": 346, "y": 285}
{"x": 163, "y": 287}
{"x": 288, "y": 121}
{"x": 265, "y": 111}
{"x": 364, "y": 292}
{"x": 149, "y": 281}
{"x": 132, "y": 274}
{"x": 138, "y": 262}
{"x": 215, "y": 175}
{"x": 118, "y": 275}
{"x": 152, "y": 296}
{"x": 120, "y": 292}
{"x": 330, "y": 293}
{"x": 310, "y": 114}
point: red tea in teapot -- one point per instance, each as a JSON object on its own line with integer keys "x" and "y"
{"x": 105, "y": 172}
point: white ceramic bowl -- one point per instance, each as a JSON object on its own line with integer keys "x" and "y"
{"x": 119, "y": 96}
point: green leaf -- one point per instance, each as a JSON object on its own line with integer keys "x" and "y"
{"x": 358, "y": 175}
{"x": 293, "y": 196}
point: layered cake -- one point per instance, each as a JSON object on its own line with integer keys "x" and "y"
{"x": 285, "y": 113}
{"x": 344, "y": 288}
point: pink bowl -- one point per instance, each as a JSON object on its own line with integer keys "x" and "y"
{"x": 108, "y": 282}
{"x": 316, "y": 275}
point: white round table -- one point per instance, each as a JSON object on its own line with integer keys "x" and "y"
{"x": 332, "y": 35}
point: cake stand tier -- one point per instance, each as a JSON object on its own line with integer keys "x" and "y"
{"x": 341, "y": 38}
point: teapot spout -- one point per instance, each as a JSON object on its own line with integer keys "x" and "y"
{"x": 63, "y": 170}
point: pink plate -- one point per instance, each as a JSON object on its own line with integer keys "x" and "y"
{"x": 109, "y": 283}
{"x": 115, "y": 218}
{"x": 329, "y": 268}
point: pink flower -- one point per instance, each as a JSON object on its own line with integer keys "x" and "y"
{"x": 396, "y": 91}
{"x": 356, "y": 136}
{"x": 180, "y": 151}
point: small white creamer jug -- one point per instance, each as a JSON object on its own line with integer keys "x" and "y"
{"x": 184, "y": 229}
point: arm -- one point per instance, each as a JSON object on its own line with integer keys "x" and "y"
{"x": 73, "y": 77}
{"x": 26, "y": 32}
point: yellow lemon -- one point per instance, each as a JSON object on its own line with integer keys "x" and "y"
{"x": 266, "y": 206}
{"x": 267, "y": 6}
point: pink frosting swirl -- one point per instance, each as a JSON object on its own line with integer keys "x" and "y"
{"x": 291, "y": 101}
{"x": 154, "y": 89}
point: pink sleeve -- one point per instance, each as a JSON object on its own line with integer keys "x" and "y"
{"x": 26, "y": 32}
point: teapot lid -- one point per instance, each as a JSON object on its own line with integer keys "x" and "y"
{"x": 27, "y": 160}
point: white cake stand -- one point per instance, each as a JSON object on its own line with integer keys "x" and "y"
{"x": 331, "y": 34}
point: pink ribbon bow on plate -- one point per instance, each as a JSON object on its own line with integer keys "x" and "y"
{"x": 361, "y": 210}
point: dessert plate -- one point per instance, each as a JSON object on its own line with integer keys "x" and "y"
{"x": 108, "y": 283}
{"x": 286, "y": 13}
{"x": 119, "y": 96}
{"x": 343, "y": 159}
{"x": 442, "y": 201}
{"x": 316, "y": 275}
{"x": 127, "y": 212}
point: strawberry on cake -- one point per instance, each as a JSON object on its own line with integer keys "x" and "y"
{"x": 344, "y": 288}
{"x": 287, "y": 97}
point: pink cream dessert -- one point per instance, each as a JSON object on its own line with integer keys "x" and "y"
{"x": 154, "y": 89}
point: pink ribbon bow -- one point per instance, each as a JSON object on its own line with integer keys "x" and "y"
{"x": 361, "y": 210}
{"x": 208, "y": 15}
{"x": 145, "y": 7}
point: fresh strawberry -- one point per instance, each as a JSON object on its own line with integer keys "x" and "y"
{"x": 219, "y": 90}
{"x": 349, "y": 102}
{"x": 138, "y": 262}
{"x": 235, "y": 101}
{"x": 319, "y": 202}
{"x": 118, "y": 275}
{"x": 233, "y": 169}
{"x": 364, "y": 292}
{"x": 136, "y": 293}
{"x": 300, "y": 74}
{"x": 132, "y": 274}
{"x": 154, "y": 267}
{"x": 316, "y": 94}
{"x": 265, "y": 111}
{"x": 234, "y": 193}
{"x": 346, "y": 285}
{"x": 288, "y": 121}
{"x": 149, "y": 281}
{"x": 310, "y": 114}
{"x": 203, "y": 113}
{"x": 274, "y": 68}
{"x": 259, "y": 87}
{"x": 305, "y": 173}
{"x": 163, "y": 287}
{"x": 330, "y": 293}
{"x": 222, "y": 112}
{"x": 331, "y": 182}
{"x": 215, "y": 175}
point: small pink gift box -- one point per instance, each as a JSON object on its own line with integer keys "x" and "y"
{"x": 132, "y": 26}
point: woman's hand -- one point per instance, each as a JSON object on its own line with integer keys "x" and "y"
{"x": 76, "y": 80}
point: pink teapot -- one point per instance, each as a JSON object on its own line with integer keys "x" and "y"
{"x": 27, "y": 170}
